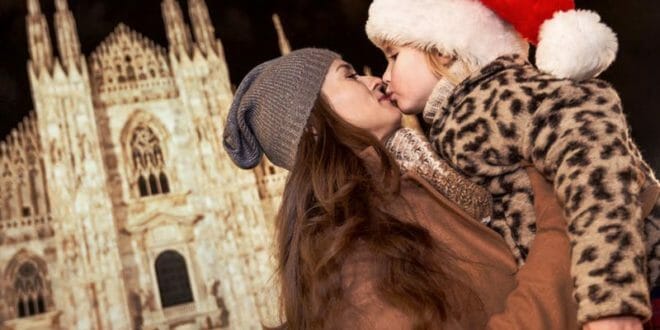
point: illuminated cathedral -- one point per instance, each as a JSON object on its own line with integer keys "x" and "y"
{"x": 119, "y": 208}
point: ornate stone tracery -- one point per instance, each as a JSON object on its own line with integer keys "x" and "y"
{"x": 147, "y": 162}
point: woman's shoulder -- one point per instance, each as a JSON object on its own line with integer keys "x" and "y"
{"x": 453, "y": 226}
{"x": 417, "y": 190}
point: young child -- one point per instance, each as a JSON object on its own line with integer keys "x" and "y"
{"x": 463, "y": 63}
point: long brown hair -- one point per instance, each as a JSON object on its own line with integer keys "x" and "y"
{"x": 334, "y": 204}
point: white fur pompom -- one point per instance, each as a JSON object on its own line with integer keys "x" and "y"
{"x": 575, "y": 44}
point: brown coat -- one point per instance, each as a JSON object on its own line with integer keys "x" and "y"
{"x": 538, "y": 296}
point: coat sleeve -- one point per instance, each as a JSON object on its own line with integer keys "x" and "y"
{"x": 414, "y": 154}
{"x": 579, "y": 140}
{"x": 542, "y": 298}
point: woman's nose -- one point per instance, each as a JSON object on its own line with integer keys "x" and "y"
{"x": 373, "y": 83}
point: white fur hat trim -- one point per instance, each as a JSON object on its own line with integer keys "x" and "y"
{"x": 465, "y": 28}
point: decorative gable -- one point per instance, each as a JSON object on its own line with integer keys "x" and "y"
{"x": 127, "y": 67}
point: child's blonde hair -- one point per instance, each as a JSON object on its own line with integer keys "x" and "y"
{"x": 438, "y": 63}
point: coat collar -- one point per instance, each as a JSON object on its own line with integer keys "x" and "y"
{"x": 445, "y": 93}
{"x": 500, "y": 64}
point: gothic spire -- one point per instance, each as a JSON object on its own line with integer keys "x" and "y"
{"x": 283, "y": 42}
{"x": 178, "y": 33}
{"x": 41, "y": 51}
{"x": 202, "y": 26}
{"x": 67, "y": 36}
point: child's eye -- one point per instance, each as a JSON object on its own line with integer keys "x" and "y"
{"x": 393, "y": 56}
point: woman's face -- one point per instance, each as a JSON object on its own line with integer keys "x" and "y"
{"x": 360, "y": 100}
{"x": 409, "y": 78}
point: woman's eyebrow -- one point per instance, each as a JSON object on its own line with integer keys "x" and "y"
{"x": 345, "y": 66}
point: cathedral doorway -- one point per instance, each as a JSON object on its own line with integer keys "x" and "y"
{"x": 173, "y": 280}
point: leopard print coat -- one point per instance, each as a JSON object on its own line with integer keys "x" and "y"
{"x": 509, "y": 115}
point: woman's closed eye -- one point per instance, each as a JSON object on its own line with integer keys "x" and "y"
{"x": 352, "y": 75}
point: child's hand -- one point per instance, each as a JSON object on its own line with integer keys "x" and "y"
{"x": 614, "y": 323}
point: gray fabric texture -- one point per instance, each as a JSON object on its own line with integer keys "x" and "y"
{"x": 272, "y": 106}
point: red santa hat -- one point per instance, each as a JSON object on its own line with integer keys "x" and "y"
{"x": 570, "y": 43}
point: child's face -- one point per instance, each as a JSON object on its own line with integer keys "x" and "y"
{"x": 409, "y": 78}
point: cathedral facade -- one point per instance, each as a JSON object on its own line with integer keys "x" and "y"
{"x": 119, "y": 208}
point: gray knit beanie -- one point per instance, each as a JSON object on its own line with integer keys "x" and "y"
{"x": 272, "y": 105}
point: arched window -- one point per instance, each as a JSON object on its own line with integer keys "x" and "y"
{"x": 29, "y": 288}
{"x": 142, "y": 185}
{"x": 164, "y": 184}
{"x": 153, "y": 185}
{"x": 148, "y": 162}
{"x": 173, "y": 280}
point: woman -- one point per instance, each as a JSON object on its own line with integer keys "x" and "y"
{"x": 362, "y": 247}
{"x": 463, "y": 64}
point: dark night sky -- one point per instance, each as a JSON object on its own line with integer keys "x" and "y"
{"x": 246, "y": 31}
